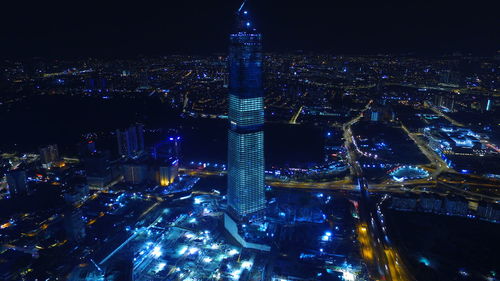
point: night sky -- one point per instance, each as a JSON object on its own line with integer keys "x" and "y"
{"x": 126, "y": 29}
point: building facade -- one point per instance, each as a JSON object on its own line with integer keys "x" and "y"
{"x": 130, "y": 141}
{"x": 246, "y": 121}
{"x": 48, "y": 155}
{"x": 17, "y": 183}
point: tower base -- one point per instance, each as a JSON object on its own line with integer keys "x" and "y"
{"x": 232, "y": 227}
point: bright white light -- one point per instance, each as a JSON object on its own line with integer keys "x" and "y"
{"x": 193, "y": 220}
{"x": 207, "y": 260}
{"x": 161, "y": 266}
{"x": 246, "y": 264}
{"x": 197, "y": 200}
{"x": 233, "y": 252}
{"x": 156, "y": 252}
{"x": 182, "y": 250}
{"x": 325, "y": 238}
{"x": 193, "y": 250}
{"x": 236, "y": 274}
{"x": 189, "y": 235}
{"x": 328, "y": 233}
{"x": 348, "y": 276}
{"x": 214, "y": 246}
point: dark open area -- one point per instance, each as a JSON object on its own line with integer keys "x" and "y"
{"x": 448, "y": 245}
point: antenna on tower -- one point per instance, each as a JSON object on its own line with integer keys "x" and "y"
{"x": 242, "y": 5}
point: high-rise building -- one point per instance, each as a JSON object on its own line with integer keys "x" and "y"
{"x": 134, "y": 172}
{"x": 48, "y": 155}
{"x": 245, "y": 195}
{"x": 74, "y": 225}
{"x": 130, "y": 141}
{"x": 86, "y": 147}
{"x": 98, "y": 169}
{"x": 167, "y": 151}
{"x": 166, "y": 174}
{"x": 17, "y": 183}
{"x": 246, "y": 120}
{"x": 166, "y": 156}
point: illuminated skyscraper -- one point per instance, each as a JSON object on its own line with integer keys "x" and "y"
{"x": 130, "y": 141}
{"x": 246, "y": 120}
{"x": 245, "y": 194}
{"x": 48, "y": 155}
{"x": 16, "y": 181}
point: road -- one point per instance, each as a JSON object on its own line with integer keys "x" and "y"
{"x": 349, "y": 142}
{"x": 440, "y": 113}
{"x": 381, "y": 256}
{"x": 435, "y": 160}
{"x": 294, "y": 118}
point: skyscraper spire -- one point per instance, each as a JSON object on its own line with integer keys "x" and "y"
{"x": 242, "y": 5}
{"x": 243, "y": 22}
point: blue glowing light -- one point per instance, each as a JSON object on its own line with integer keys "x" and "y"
{"x": 245, "y": 12}
{"x": 248, "y": 23}
{"x": 425, "y": 261}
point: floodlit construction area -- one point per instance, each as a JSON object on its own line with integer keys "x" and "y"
{"x": 186, "y": 245}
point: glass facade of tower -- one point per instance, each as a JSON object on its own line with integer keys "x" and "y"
{"x": 246, "y": 120}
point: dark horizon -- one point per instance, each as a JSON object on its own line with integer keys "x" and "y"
{"x": 55, "y": 30}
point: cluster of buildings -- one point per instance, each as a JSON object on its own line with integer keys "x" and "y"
{"x": 127, "y": 187}
{"x": 136, "y": 163}
{"x": 455, "y": 140}
{"x": 464, "y": 149}
{"x": 450, "y": 206}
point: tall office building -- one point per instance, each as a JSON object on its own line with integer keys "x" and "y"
{"x": 17, "y": 183}
{"x": 130, "y": 141}
{"x": 246, "y": 120}
{"x": 48, "y": 155}
{"x": 166, "y": 155}
{"x": 134, "y": 172}
{"x": 245, "y": 195}
{"x": 168, "y": 150}
{"x": 74, "y": 225}
{"x": 98, "y": 169}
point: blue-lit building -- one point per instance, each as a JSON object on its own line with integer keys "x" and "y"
{"x": 166, "y": 155}
{"x": 130, "y": 141}
{"x": 246, "y": 120}
{"x": 245, "y": 196}
{"x": 17, "y": 183}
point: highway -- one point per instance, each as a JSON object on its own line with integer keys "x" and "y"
{"x": 381, "y": 256}
{"x": 440, "y": 113}
{"x": 349, "y": 142}
{"x": 435, "y": 160}
{"x": 294, "y": 118}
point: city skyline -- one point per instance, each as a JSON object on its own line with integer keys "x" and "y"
{"x": 250, "y": 164}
